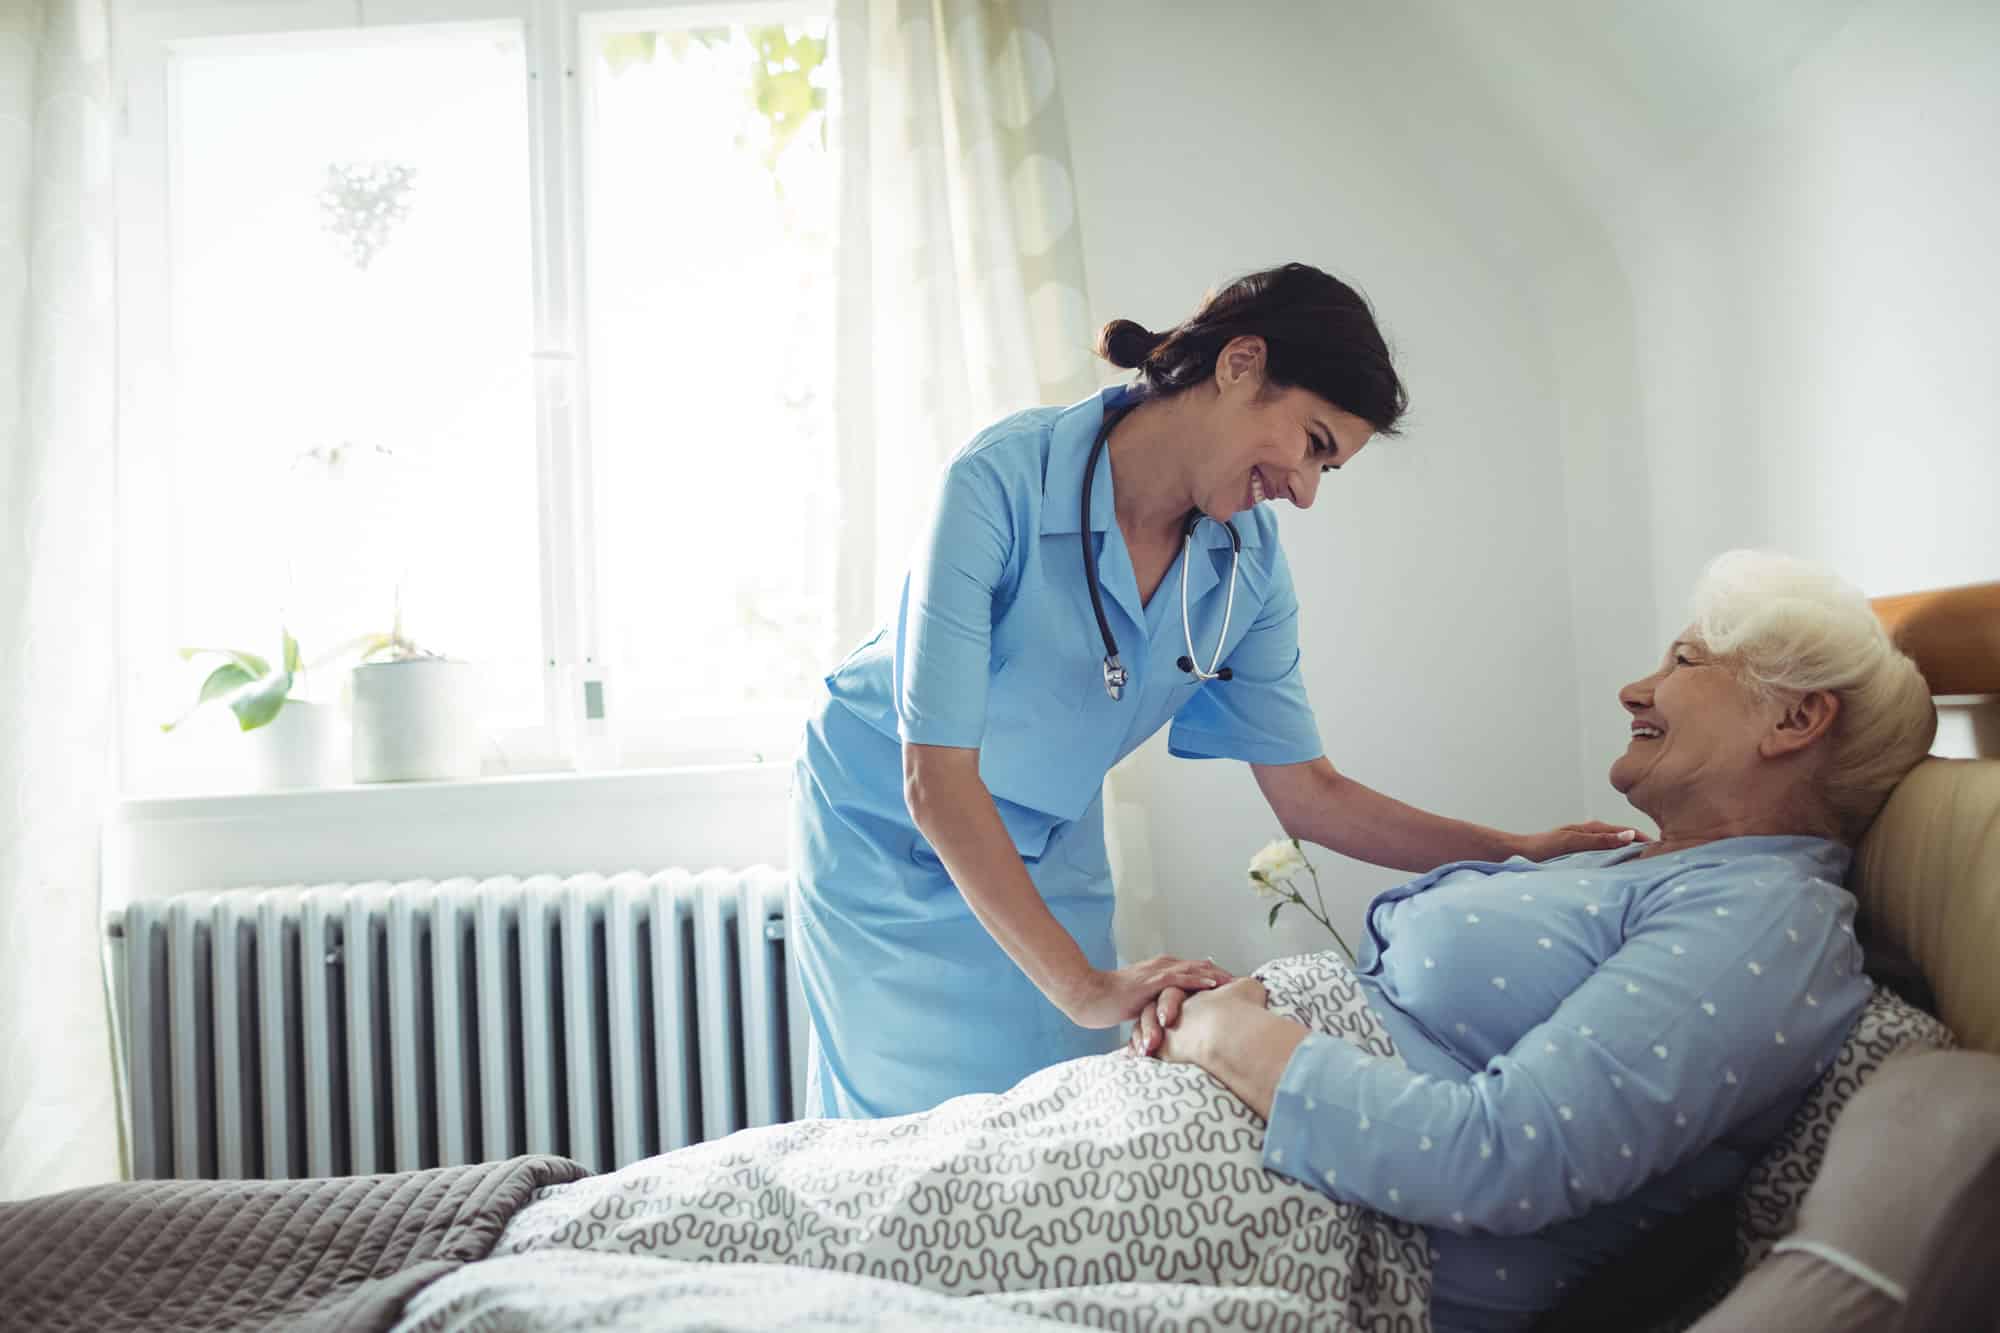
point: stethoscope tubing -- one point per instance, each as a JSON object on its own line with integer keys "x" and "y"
{"x": 1115, "y": 674}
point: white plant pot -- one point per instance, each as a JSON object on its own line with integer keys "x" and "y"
{"x": 300, "y": 747}
{"x": 415, "y": 721}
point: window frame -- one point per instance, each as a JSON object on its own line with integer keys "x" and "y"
{"x": 555, "y": 34}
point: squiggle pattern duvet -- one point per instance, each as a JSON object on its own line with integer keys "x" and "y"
{"x": 1098, "y": 1191}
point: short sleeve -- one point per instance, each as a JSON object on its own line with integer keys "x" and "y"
{"x": 1260, "y": 714}
{"x": 945, "y": 624}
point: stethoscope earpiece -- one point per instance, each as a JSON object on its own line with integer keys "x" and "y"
{"x": 1114, "y": 671}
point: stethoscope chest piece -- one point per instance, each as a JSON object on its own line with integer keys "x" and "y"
{"x": 1114, "y": 676}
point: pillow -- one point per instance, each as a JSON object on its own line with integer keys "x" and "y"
{"x": 1767, "y": 1203}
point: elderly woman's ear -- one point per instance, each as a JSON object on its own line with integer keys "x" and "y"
{"x": 1805, "y": 720}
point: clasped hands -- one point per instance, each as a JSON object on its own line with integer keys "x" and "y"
{"x": 1187, "y": 1029}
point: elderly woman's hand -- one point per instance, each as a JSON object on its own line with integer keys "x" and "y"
{"x": 1177, "y": 1026}
{"x": 1227, "y": 1032}
{"x": 1594, "y": 836}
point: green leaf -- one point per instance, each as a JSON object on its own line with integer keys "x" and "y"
{"x": 291, "y": 653}
{"x": 259, "y": 706}
{"x": 1272, "y": 919}
{"x": 623, "y": 50}
{"x": 222, "y": 680}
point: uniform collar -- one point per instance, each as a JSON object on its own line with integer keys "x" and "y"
{"x": 1070, "y": 442}
{"x": 1069, "y": 446}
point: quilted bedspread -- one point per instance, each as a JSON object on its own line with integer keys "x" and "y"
{"x": 343, "y": 1253}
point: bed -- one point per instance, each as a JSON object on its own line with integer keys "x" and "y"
{"x": 1860, "y": 1239}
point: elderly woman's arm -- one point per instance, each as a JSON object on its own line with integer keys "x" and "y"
{"x": 1726, "y": 998}
{"x": 1316, "y": 803}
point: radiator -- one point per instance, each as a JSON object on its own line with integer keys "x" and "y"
{"x": 348, "y": 1029}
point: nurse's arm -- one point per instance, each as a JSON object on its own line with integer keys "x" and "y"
{"x": 954, "y": 811}
{"x": 1315, "y": 803}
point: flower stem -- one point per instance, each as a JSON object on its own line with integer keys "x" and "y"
{"x": 1326, "y": 917}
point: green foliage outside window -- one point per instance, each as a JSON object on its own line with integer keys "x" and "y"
{"x": 784, "y": 60}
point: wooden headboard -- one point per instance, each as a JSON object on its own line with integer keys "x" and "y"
{"x": 1928, "y": 873}
{"x": 1953, "y": 633}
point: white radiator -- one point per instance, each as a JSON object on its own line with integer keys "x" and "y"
{"x": 349, "y": 1029}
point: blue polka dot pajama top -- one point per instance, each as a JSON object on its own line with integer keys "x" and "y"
{"x": 1589, "y": 1046}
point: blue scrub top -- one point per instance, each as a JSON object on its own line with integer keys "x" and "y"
{"x": 995, "y": 646}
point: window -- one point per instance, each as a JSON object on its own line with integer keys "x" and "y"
{"x": 709, "y": 252}
{"x": 514, "y": 329}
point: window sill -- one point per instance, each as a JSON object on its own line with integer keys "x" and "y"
{"x": 540, "y": 823}
{"x": 495, "y": 794}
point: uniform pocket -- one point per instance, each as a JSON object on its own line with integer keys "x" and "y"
{"x": 1039, "y": 750}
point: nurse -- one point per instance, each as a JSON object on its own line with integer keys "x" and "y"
{"x": 952, "y": 897}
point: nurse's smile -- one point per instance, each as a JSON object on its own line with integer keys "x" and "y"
{"x": 1259, "y": 492}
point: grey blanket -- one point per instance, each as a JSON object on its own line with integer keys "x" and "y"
{"x": 343, "y": 1253}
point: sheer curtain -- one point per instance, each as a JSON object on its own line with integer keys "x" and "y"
{"x": 962, "y": 294}
{"x": 58, "y": 1121}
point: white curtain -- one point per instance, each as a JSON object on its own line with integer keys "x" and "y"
{"x": 962, "y": 293}
{"x": 58, "y": 1121}
{"x": 961, "y": 280}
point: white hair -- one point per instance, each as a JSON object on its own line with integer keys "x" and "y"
{"x": 1789, "y": 627}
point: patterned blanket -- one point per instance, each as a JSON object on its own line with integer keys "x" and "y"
{"x": 1111, "y": 1191}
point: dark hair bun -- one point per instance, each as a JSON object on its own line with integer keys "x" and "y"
{"x": 1318, "y": 333}
{"x": 1126, "y": 344}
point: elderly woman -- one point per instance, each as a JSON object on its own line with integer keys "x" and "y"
{"x": 1591, "y": 1045}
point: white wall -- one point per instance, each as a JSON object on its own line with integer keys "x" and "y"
{"x": 1795, "y": 345}
{"x": 1820, "y": 306}
{"x": 1433, "y": 573}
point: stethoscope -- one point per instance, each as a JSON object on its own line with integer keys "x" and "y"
{"x": 1114, "y": 671}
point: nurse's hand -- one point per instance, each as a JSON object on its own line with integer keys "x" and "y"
{"x": 1594, "y": 836}
{"x": 1106, "y": 999}
{"x": 1157, "y": 1021}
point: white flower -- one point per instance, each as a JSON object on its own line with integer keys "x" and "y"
{"x": 1271, "y": 873}
{"x": 1278, "y": 862}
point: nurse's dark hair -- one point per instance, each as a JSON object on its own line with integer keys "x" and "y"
{"x": 1318, "y": 332}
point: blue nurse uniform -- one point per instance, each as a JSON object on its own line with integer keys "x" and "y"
{"x": 994, "y": 646}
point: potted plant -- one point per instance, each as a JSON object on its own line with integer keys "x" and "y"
{"x": 296, "y": 740}
{"x": 414, "y": 715}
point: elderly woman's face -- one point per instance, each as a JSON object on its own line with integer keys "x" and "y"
{"x": 1693, "y": 723}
